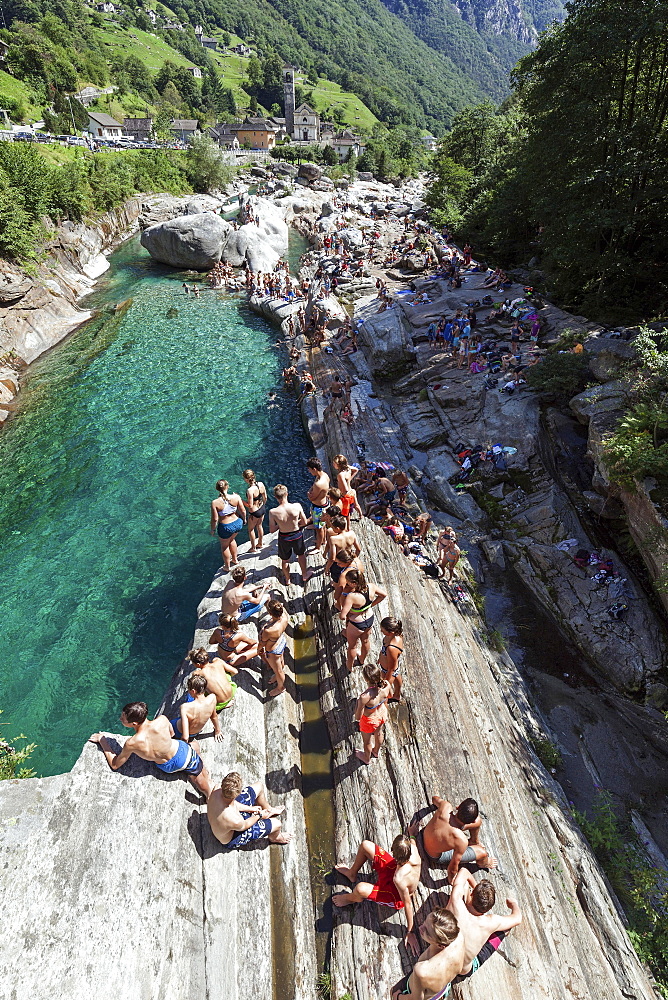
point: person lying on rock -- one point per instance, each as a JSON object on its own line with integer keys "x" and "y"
{"x": 195, "y": 712}
{"x": 241, "y": 600}
{"x": 155, "y": 741}
{"x": 432, "y": 975}
{"x": 471, "y": 904}
{"x": 216, "y": 672}
{"x": 452, "y": 836}
{"x": 398, "y": 876}
{"x": 241, "y": 814}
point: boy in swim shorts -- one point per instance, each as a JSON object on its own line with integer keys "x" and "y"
{"x": 239, "y": 815}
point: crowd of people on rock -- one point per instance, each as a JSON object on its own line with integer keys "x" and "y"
{"x": 462, "y": 935}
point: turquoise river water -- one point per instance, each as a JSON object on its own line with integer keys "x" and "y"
{"x": 106, "y": 473}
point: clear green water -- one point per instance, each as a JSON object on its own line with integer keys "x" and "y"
{"x": 106, "y": 474}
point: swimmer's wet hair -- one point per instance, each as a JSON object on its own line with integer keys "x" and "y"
{"x": 222, "y": 486}
{"x": 334, "y": 494}
{"x": 467, "y": 811}
{"x": 198, "y": 656}
{"x": 238, "y": 574}
{"x": 275, "y": 608}
{"x": 372, "y": 673}
{"x": 401, "y": 848}
{"x": 248, "y": 475}
{"x": 444, "y": 927}
{"x": 483, "y": 896}
{"x": 314, "y": 463}
{"x": 358, "y": 580}
{"x": 339, "y": 522}
{"x": 135, "y": 711}
{"x": 231, "y": 785}
{"x": 346, "y": 556}
{"x": 228, "y": 621}
{"x": 333, "y": 511}
{"x": 197, "y": 683}
{"x": 280, "y": 491}
{"x": 340, "y": 462}
{"x": 393, "y": 625}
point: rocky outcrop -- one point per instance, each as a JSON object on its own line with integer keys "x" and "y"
{"x": 309, "y": 172}
{"x": 389, "y": 349}
{"x": 193, "y": 242}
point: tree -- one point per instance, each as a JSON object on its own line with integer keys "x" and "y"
{"x": 205, "y": 167}
{"x": 329, "y": 156}
{"x": 449, "y": 185}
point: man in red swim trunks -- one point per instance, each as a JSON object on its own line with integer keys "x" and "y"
{"x": 398, "y": 878}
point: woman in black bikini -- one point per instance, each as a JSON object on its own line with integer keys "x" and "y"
{"x": 256, "y": 502}
{"x": 391, "y": 650}
{"x": 357, "y": 612}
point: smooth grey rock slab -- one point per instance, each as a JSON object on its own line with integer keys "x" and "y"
{"x": 191, "y": 241}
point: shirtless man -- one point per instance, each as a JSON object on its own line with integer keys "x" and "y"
{"x": 289, "y": 520}
{"x": 398, "y": 878}
{"x": 319, "y": 502}
{"x": 338, "y": 540}
{"x": 471, "y": 904}
{"x": 239, "y": 815}
{"x": 155, "y": 741}
{"x": 452, "y": 836}
{"x": 272, "y": 644}
{"x": 241, "y": 600}
{"x": 388, "y": 494}
{"x": 344, "y": 475}
{"x": 216, "y": 672}
{"x": 437, "y": 966}
{"x": 196, "y": 711}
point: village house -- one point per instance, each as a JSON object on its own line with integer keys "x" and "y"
{"x": 430, "y": 142}
{"x": 141, "y": 129}
{"x": 106, "y": 7}
{"x": 205, "y": 42}
{"x": 4, "y": 48}
{"x": 223, "y": 133}
{"x": 345, "y": 143}
{"x": 103, "y": 126}
{"x": 256, "y": 133}
{"x": 241, "y": 49}
{"x": 184, "y": 129}
{"x": 196, "y": 72}
{"x": 280, "y": 125}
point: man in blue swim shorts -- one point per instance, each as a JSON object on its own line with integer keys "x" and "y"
{"x": 154, "y": 741}
{"x": 239, "y": 815}
{"x": 241, "y": 600}
{"x": 319, "y": 503}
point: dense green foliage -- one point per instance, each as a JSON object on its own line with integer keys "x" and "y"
{"x": 642, "y": 888}
{"x": 31, "y": 189}
{"x": 639, "y": 445}
{"x": 363, "y": 47}
{"x": 560, "y": 375}
{"x": 13, "y": 759}
{"x": 575, "y": 170}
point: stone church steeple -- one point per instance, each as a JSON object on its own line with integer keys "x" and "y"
{"x": 289, "y": 98}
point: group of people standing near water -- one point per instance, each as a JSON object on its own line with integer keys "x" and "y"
{"x": 460, "y": 936}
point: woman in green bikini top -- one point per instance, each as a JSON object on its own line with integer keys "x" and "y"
{"x": 437, "y": 966}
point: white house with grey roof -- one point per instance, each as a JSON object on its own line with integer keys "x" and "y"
{"x": 103, "y": 126}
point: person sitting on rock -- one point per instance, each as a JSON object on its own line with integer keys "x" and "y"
{"x": 398, "y": 876}
{"x": 234, "y": 647}
{"x": 439, "y": 963}
{"x": 198, "y": 708}
{"x": 217, "y": 675}
{"x": 155, "y": 741}
{"x": 241, "y": 600}
{"x": 471, "y": 904}
{"x": 240, "y": 814}
{"x": 452, "y": 836}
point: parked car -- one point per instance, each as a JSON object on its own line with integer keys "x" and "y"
{"x": 24, "y": 137}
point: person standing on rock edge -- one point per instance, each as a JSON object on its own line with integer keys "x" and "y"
{"x": 289, "y": 520}
{"x": 359, "y": 600}
{"x": 344, "y": 475}
{"x": 452, "y": 836}
{"x": 371, "y": 712}
{"x": 228, "y": 517}
{"x": 471, "y": 904}
{"x": 319, "y": 503}
{"x": 273, "y": 641}
{"x": 256, "y": 502}
{"x": 239, "y": 815}
{"x": 398, "y": 877}
{"x": 155, "y": 741}
{"x": 391, "y": 650}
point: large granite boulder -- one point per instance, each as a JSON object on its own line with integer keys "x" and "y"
{"x": 192, "y": 241}
{"x": 352, "y": 237}
{"x": 390, "y": 351}
{"x": 249, "y": 244}
{"x": 309, "y": 172}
